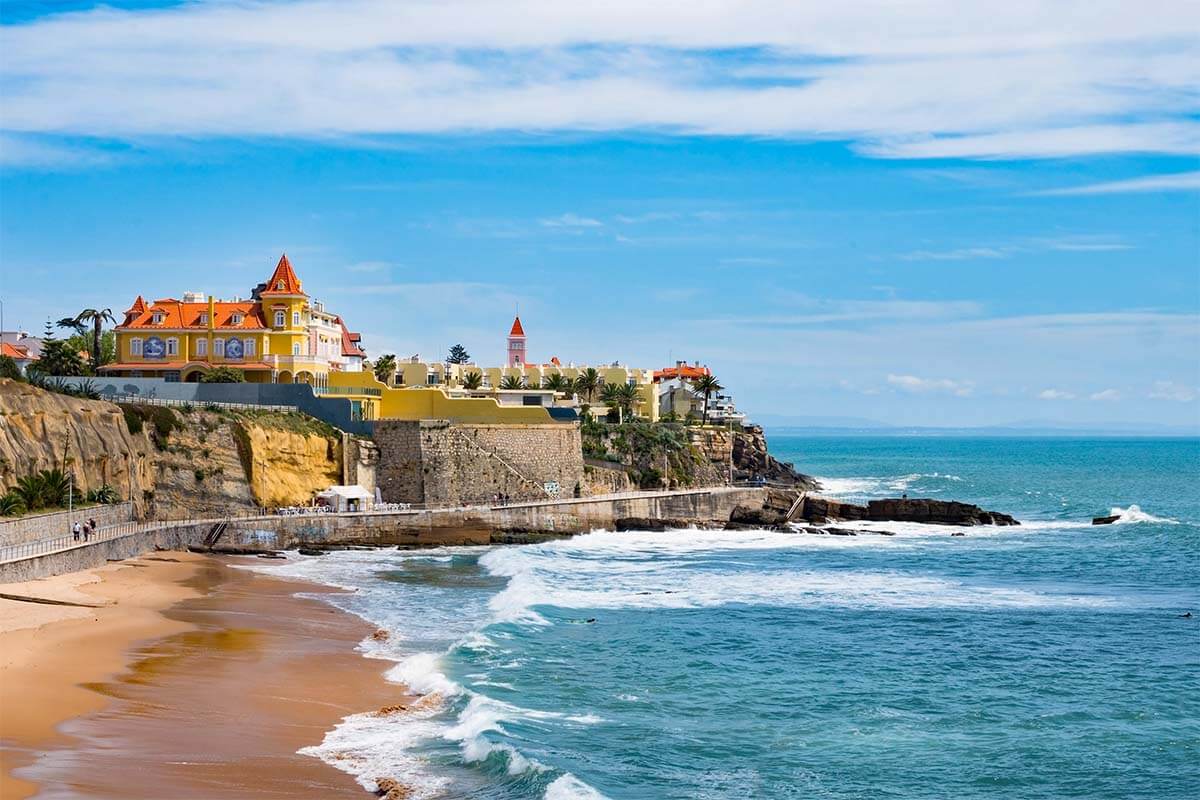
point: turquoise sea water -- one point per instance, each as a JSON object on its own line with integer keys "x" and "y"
{"x": 1045, "y": 661}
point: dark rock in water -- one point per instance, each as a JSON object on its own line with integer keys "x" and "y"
{"x": 647, "y": 524}
{"x": 935, "y": 512}
{"x": 271, "y": 555}
{"x": 750, "y": 517}
{"x": 927, "y": 511}
{"x": 1105, "y": 520}
{"x": 958, "y": 533}
{"x": 841, "y": 532}
{"x": 308, "y": 551}
{"x": 821, "y": 509}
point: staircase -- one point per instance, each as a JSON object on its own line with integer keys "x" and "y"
{"x": 215, "y": 533}
{"x": 529, "y": 482}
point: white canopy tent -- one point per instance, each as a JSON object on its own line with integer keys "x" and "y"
{"x": 347, "y": 498}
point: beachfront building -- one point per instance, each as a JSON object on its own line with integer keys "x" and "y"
{"x": 22, "y": 348}
{"x": 677, "y": 399}
{"x": 524, "y": 383}
{"x": 277, "y": 335}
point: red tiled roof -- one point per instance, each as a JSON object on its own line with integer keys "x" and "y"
{"x": 283, "y": 280}
{"x": 685, "y": 372}
{"x": 517, "y": 330}
{"x": 177, "y": 314}
{"x": 14, "y": 351}
{"x": 139, "y": 305}
{"x": 350, "y": 341}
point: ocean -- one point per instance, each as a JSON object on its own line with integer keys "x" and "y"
{"x": 1049, "y": 660}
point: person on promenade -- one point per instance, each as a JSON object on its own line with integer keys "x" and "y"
{"x": 76, "y": 529}
{"x": 92, "y": 523}
{"x": 87, "y": 531}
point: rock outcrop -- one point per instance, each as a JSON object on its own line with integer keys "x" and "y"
{"x": 922, "y": 510}
{"x": 171, "y": 461}
{"x": 87, "y": 438}
{"x": 752, "y": 461}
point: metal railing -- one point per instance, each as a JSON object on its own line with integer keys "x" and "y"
{"x": 143, "y": 400}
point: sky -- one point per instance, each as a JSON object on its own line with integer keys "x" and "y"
{"x": 922, "y": 213}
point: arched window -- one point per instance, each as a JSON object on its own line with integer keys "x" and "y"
{"x": 201, "y": 347}
{"x": 135, "y": 347}
{"x": 279, "y": 319}
{"x": 218, "y": 347}
{"x": 172, "y": 346}
{"x": 248, "y": 347}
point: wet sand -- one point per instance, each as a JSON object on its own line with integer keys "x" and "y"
{"x": 201, "y": 681}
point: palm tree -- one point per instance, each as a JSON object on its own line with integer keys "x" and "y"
{"x": 588, "y": 383}
{"x": 385, "y": 367}
{"x": 611, "y": 395}
{"x": 512, "y": 382}
{"x": 706, "y": 386}
{"x": 558, "y": 382}
{"x": 96, "y": 318}
{"x": 628, "y": 397}
{"x": 472, "y": 380}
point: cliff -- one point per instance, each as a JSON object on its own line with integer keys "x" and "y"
{"x": 673, "y": 455}
{"x": 171, "y": 461}
{"x": 87, "y": 438}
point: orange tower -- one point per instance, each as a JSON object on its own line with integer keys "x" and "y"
{"x": 516, "y": 344}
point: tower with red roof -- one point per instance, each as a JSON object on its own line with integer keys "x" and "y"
{"x": 516, "y": 344}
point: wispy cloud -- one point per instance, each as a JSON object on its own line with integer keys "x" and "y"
{"x": 570, "y": 220}
{"x": 912, "y": 383}
{"x": 1055, "y": 394}
{"x": 1106, "y": 395}
{"x": 1175, "y": 182}
{"x": 1068, "y": 244}
{"x": 1170, "y": 390}
{"x": 988, "y": 79}
{"x": 958, "y": 254}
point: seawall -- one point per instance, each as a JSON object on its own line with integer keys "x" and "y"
{"x": 478, "y": 525}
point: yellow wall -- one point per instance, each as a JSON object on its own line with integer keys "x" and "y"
{"x": 433, "y": 403}
{"x": 283, "y": 339}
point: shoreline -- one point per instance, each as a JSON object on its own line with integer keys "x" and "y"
{"x": 192, "y": 679}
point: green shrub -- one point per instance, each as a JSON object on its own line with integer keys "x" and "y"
{"x": 11, "y": 504}
{"x": 9, "y": 369}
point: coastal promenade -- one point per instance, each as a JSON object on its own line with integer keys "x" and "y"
{"x": 459, "y": 525}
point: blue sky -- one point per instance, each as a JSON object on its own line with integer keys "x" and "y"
{"x": 931, "y": 218}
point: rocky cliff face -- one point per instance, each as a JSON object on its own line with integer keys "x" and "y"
{"x": 42, "y": 430}
{"x": 173, "y": 462}
{"x": 744, "y": 454}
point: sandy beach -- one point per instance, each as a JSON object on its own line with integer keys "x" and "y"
{"x": 188, "y": 678}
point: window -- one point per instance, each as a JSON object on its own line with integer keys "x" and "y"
{"x": 135, "y": 347}
{"x": 236, "y": 319}
{"x": 296, "y": 349}
{"x": 266, "y": 345}
{"x": 279, "y": 286}
{"x": 218, "y": 347}
{"x": 202, "y": 347}
{"x": 172, "y": 346}
{"x": 156, "y": 318}
{"x": 295, "y": 319}
{"x": 171, "y": 376}
{"x": 279, "y": 318}
{"x": 204, "y": 318}
{"x": 248, "y": 347}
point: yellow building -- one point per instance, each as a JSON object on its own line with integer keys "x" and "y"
{"x": 494, "y": 381}
{"x": 278, "y": 335}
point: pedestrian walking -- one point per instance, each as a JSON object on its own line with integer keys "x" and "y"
{"x": 76, "y": 530}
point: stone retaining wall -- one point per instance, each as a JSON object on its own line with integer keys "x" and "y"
{"x": 58, "y": 523}
{"x": 436, "y": 462}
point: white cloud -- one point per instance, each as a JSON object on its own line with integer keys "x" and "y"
{"x": 1170, "y": 390}
{"x": 959, "y": 254}
{"x": 986, "y": 79}
{"x": 1055, "y": 394}
{"x": 911, "y": 383}
{"x": 1106, "y": 395}
{"x": 570, "y": 220}
{"x": 1176, "y": 182}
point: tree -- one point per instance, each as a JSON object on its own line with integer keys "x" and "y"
{"x": 628, "y": 398}
{"x": 588, "y": 383}
{"x": 611, "y": 396}
{"x": 57, "y": 357}
{"x": 81, "y": 342}
{"x": 705, "y": 387}
{"x": 385, "y": 368}
{"x": 512, "y": 382}
{"x": 558, "y": 382}
{"x": 223, "y": 375}
{"x": 9, "y": 369}
{"x": 458, "y": 355}
{"x": 472, "y": 380}
{"x": 96, "y": 319}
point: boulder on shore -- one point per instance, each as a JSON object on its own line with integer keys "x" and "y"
{"x": 748, "y": 517}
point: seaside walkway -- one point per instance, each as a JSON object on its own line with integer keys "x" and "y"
{"x": 521, "y": 512}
